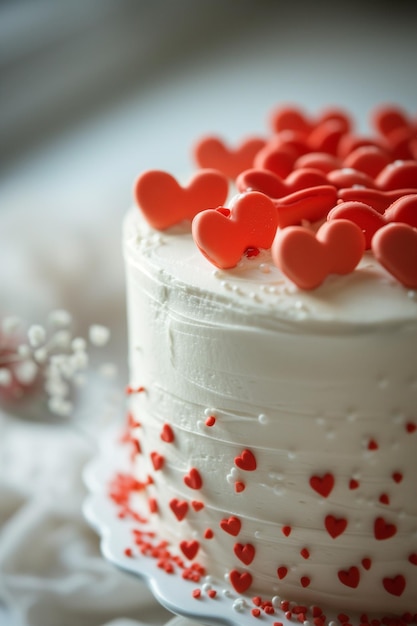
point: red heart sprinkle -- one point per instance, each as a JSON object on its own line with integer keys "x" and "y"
{"x": 397, "y": 477}
{"x": 413, "y": 558}
{"x": 372, "y": 445}
{"x": 246, "y": 461}
{"x": 239, "y": 486}
{"x": 290, "y": 118}
{"x": 212, "y": 152}
{"x": 231, "y": 525}
{"x": 308, "y": 258}
{"x": 197, "y": 505}
{"x": 387, "y": 119}
{"x": 167, "y": 433}
{"x": 395, "y": 586}
{"x": 208, "y": 534}
{"x": 384, "y": 498}
{"x": 157, "y": 460}
{"x": 164, "y": 202}
{"x": 383, "y": 530}
{"x": 244, "y": 552}
{"x": 322, "y": 484}
{"x": 223, "y": 239}
{"x": 411, "y": 427}
{"x": 179, "y": 508}
{"x": 282, "y": 572}
{"x": 240, "y": 581}
{"x": 349, "y": 578}
{"x": 305, "y": 553}
{"x": 335, "y": 526}
{"x": 395, "y": 247}
{"x": 319, "y": 161}
{"x": 305, "y": 582}
{"x": 361, "y": 214}
{"x": 353, "y": 483}
{"x": 286, "y": 530}
{"x": 193, "y": 479}
{"x": 366, "y": 563}
{"x": 189, "y": 548}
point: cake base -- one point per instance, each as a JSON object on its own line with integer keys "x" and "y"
{"x": 210, "y": 602}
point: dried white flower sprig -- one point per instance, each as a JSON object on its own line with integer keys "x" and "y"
{"x": 48, "y": 359}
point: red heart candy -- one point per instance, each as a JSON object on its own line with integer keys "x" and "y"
{"x": 370, "y": 160}
{"x": 193, "y": 479}
{"x": 212, "y": 152}
{"x": 319, "y": 161}
{"x": 347, "y": 177}
{"x": 246, "y": 461}
{"x": 290, "y": 118}
{"x": 167, "y": 433}
{"x": 395, "y": 586}
{"x": 403, "y": 210}
{"x": 361, "y": 214}
{"x": 308, "y": 258}
{"x": 395, "y": 247}
{"x": 383, "y": 530}
{"x": 277, "y": 160}
{"x": 164, "y": 202}
{"x": 387, "y": 119}
{"x": 350, "y": 578}
{"x": 377, "y": 199}
{"x": 335, "y": 526}
{"x": 244, "y": 552}
{"x": 322, "y": 484}
{"x": 326, "y": 136}
{"x": 310, "y": 204}
{"x": 189, "y": 548}
{"x": 240, "y": 581}
{"x": 397, "y": 175}
{"x": 179, "y": 508}
{"x": 231, "y": 525}
{"x": 261, "y": 180}
{"x": 223, "y": 236}
{"x": 157, "y": 460}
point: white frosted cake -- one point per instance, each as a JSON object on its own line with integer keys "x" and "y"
{"x": 275, "y": 424}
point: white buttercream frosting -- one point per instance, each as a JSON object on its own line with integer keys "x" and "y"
{"x": 314, "y": 384}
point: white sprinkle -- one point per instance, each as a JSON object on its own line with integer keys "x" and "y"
{"x": 276, "y": 601}
{"x": 26, "y": 372}
{"x": 206, "y": 587}
{"x": 59, "y": 406}
{"x": 36, "y": 335}
{"x": 99, "y": 335}
{"x": 263, "y": 419}
{"x": 79, "y": 360}
{"x": 239, "y": 605}
{"x": 5, "y": 377}
{"x": 227, "y": 593}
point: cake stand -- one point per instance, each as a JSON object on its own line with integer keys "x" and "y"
{"x": 227, "y": 608}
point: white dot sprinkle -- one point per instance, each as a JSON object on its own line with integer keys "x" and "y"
{"x": 98, "y": 335}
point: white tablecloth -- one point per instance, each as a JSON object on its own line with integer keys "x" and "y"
{"x": 60, "y": 214}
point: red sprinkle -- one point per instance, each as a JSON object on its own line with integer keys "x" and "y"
{"x": 239, "y": 486}
{"x": 128, "y": 552}
{"x": 196, "y": 593}
{"x": 210, "y": 421}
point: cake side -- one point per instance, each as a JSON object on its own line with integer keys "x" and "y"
{"x": 292, "y": 412}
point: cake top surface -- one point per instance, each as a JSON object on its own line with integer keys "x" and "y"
{"x": 311, "y": 222}
{"x": 368, "y": 295}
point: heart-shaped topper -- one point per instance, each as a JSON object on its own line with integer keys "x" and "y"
{"x": 223, "y": 235}
{"x": 363, "y": 215}
{"x": 164, "y": 202}
{"x": 308, "y": 258}
{"x": 212, "y": 152}
{"x": 395, "y": 247}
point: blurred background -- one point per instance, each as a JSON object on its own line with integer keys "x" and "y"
{"x": 91, "y": 93}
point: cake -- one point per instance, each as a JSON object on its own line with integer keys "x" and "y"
{"x": 272, "y": 316}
